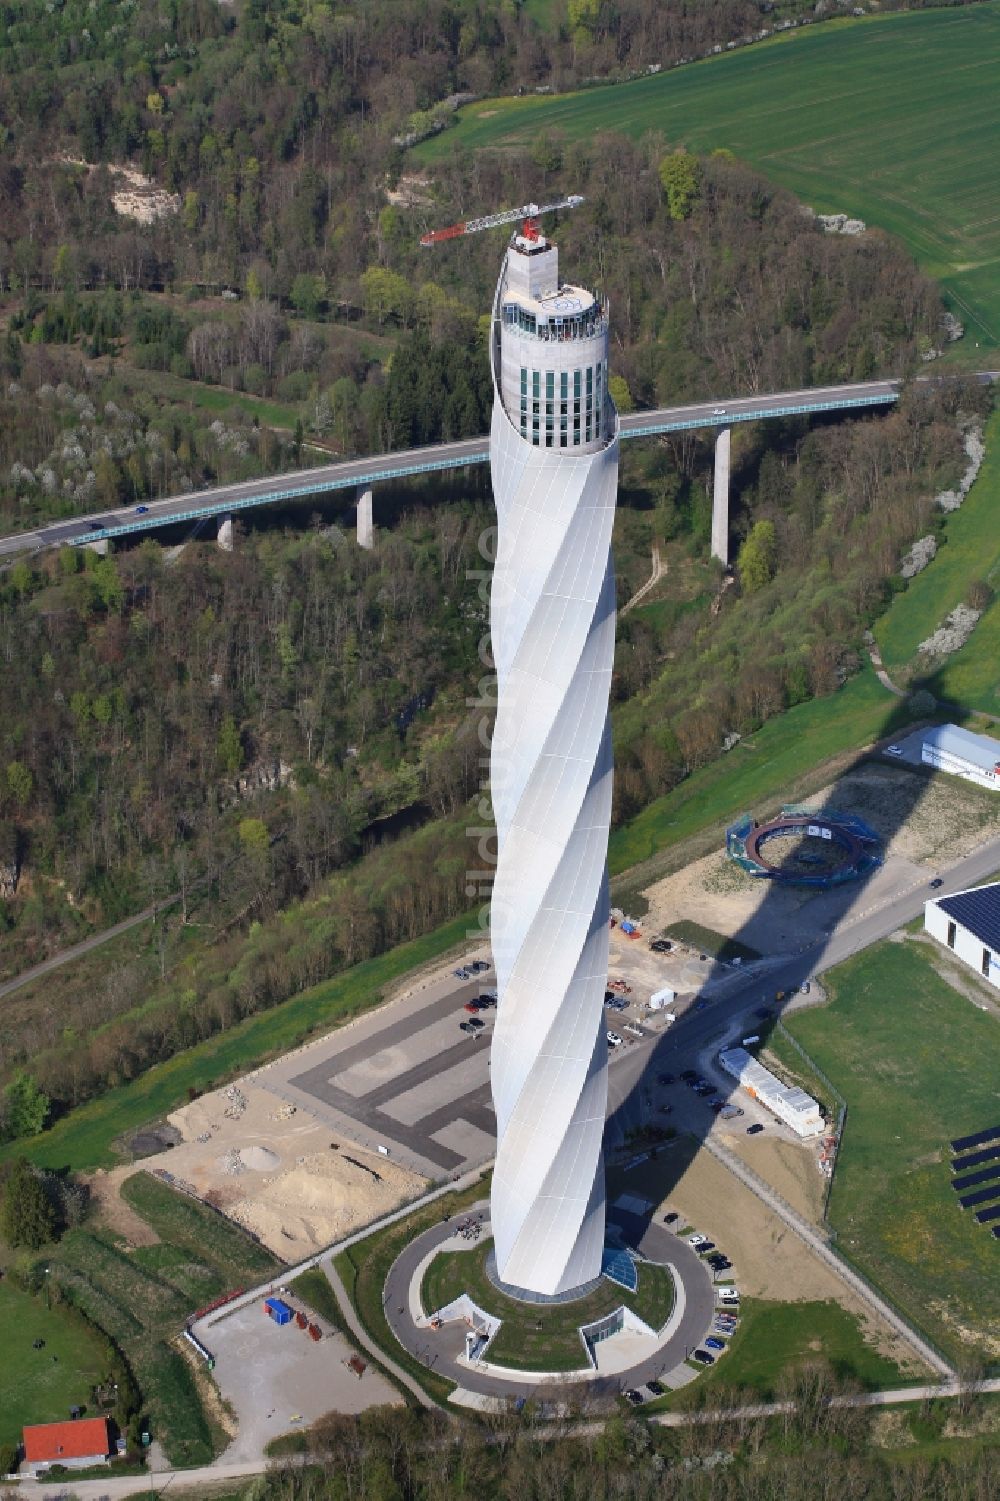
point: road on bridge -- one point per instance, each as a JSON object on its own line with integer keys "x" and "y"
{"x": 358, "y": 473}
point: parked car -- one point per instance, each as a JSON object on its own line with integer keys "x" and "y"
{"x": 655, "y": 1388}
{"x": 664, "y": 1078}
{"x": 467, "y": 1027}
{"x": 706, "y": 1246}
{"x": 471, "y": 1006}
{"x": 614, "y": 1040}
{"x": 671, "y": 1218}
{"x": 704, "y": 1358}
{"x": 689, "y": 1073}
{"x": 937, "y": 881}
{"x": 476, "y": 1023}
{"x": 700, "y": 1005}
{"x": 715, "y": 1344}
{"x": 805, "y": 987}
{"x": 894, "y": 750}
{"x": 697, "y": 1239}
{"x": 633, "y": 1397}
{"x": 755, "y": 1129}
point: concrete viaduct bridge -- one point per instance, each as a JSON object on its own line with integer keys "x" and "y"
{"x": 361, "y": 475}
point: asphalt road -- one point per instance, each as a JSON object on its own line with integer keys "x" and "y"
{"x": 854, "y": 933}
{"x": 351, "y": 473}
{"x": 657, "y": 1243}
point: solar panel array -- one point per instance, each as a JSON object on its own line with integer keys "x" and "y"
{"x": 982, "y": 1196}
{"x": 989, "y": 1144}
{"x": 971, "y": 1179}
{"x": 989, "y": 1154}
{"x": 963, "y": 1143}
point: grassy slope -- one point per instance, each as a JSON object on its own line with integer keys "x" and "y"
{"x": 86, "y": 1137}
{"x": 918, "y": 1064}
{"x": 773, "y": 1338}
{"x": 39, "y": 1386}
{"x": 895, "y": 119}
{"x": 972, "y": 551}
{"x": 759, "y": 767}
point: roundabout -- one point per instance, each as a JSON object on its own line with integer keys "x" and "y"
{"x": 443, "y": 1309}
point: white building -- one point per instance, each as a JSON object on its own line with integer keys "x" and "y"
{"x": 975, "y": 757}
{"x": 968, "y": 923}
{"x": 554, "y": 462}
{"x": 789, "y": 1103}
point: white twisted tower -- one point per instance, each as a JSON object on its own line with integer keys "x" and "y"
{"x": 554, "y": 462}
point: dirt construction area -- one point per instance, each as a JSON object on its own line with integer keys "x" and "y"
{"x": 924, "y": 821}
{"x": 278, "y": 1172}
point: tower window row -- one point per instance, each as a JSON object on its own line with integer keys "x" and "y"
{"x": 562, "y": 409}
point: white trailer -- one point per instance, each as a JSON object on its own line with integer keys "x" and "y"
{"x": 661, "y": 998}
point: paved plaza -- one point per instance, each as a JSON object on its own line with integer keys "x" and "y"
{"x": 405, "y": 1081}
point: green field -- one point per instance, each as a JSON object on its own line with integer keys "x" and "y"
{"x": 534, "y": 1339}
{"x": 40, "y": 1386}
{"x": 894, "y": 119}
{"x": 971, "y": 551}
{"x": 918, "y": 1064}
{"x": 142, "y": 1297}
{"x": 772, "y": 1339}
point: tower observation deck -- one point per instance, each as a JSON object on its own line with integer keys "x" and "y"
{"x": 554, "y": 463}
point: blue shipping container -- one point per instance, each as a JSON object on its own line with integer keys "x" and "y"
{"x": 279, "y": 1310}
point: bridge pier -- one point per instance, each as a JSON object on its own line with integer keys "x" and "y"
{"x": 720, "y": 496}
{"x": 366, "y": 523}
{"x": 225, "y": 533}
{"x": 100, "y": 547}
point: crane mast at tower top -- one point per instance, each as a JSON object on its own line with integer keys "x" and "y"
{"x": 528, "y": 215}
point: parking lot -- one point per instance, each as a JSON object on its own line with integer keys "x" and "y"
{"x": 278, "y": 1379}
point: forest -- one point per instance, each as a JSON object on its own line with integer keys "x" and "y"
{"x": 815, "y": 1454}
{"x": 280, "y": 737}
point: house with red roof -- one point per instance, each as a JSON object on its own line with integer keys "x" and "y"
{"x": 82, "y": 1442}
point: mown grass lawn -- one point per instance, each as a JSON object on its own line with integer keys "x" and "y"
{"x": 773, "y": 1339}
{"x": 40, "y": 1386}
{"x": 894, "y": 119}
{"x": 918, "y": 1064}
{"x": 541, "y": 1339}
{"x": 364, "y": 1267}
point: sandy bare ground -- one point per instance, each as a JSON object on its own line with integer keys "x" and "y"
{"x": 769, "y": 1261}
{"x": 790, "y": 1167}
{"x": 924, "y": 823}
{"x": 268, "y": 1167}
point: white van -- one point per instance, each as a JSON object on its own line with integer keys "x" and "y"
{"x": 748, "y": 1042}
{"x": 727, "y": 1295}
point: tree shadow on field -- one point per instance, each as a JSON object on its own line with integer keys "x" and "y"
{"x": 798, "y": 932}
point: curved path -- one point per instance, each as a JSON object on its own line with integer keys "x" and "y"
{"x": 439, "y": 1350}
{"x": 659, "y": 569}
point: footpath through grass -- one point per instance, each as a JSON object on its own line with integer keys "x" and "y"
{"x": 918, "y": 1064}
{"x": 773, "y": 1339}
{"x": 971, "y": 551}
{"x": 40, "y": 1386}
{"x": 364, "y": 1267}
{"x": 86, "y": 1138}
{"x": 894, "y": 119}
{"x": 541, "y": 1339}
{"x": 142, "y": 1297}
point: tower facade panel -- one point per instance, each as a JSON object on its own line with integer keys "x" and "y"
{"x": 554, "y": 461}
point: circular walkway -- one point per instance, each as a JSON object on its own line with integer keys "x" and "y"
{"x": 441, "y": 1350}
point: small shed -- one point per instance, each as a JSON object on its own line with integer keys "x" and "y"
{"x": 278, "y": 1310}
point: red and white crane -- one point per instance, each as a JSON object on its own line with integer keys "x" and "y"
{"x": 529, "y": 215}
